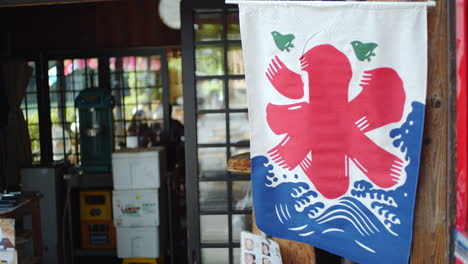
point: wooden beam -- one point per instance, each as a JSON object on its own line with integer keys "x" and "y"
{"x": 10, "y": 3}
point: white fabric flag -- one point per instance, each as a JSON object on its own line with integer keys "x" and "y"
{"x": 336, "y": 105}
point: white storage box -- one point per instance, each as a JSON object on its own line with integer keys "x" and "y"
{"x": 138, "y": 169}
{"x": 138, "y": 242}
{"x": 135, "y": 208}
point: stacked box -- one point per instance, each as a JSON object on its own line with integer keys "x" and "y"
{"x": 136, "y": 176}
{"x": 137, "y": 170}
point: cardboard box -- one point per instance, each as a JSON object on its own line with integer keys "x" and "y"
{"x": 140, "y": 169}
{"x": 138, "y": 242}
{"x": 8, "y": 257}
{"x": 136, "y": 208}
{"x": 7, "y": 234}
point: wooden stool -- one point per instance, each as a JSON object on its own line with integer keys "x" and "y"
{"x": 140, "y": 261}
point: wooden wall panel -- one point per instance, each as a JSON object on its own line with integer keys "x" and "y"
{"x": 115, "y": 24}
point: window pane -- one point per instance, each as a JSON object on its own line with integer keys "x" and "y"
{"x": 33, "y": 116}
{"x": 212, "y": 162}
{"x": 213, "y": 196}
{"x": 70, "y": 114}
{"x": 237, "y": 94}
{"x": 129, "y": 63}
{"x": 239, "y": 127}
{"x": 208, "y": 27}
{"x": 52, "y": 73}
{"x": 214, "y": 229}
{"x": 33, "y": 131}
{"x": 54, "y": 99}
{"x": 236, "y": 255}
{"x": 31, "y": 100}
{"x": 116, "y": 80}
{"x": 215, "y": 255}
{"x": 32, "y": 85}
{"x": 70, "y": 98}
{"x": 61, "y": 142}
{"x": 240, "y": 223}
{"x": 241, "y": 195}
{"x": 36, "y": 149}
{"x": 210, "y": 94}
{"x": 233, "y": 29}
{"x": 209, "y": 60}
{"x": 129, "y": 80}
{"x": 235, "y": 60}
{"x": 155, "y": 63}
{"x": 211, "y": 128}
{"x": 54, "y": 114}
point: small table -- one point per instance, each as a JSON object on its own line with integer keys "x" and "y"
{"x": 28, "y": 204}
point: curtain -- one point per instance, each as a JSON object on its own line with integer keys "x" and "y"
{"x": 4, "y": 109}
{"x": 16, "y": 147}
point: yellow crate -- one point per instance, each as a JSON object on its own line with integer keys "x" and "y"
{"x": 140, "y": 261}
{"x": 95, "y": 205}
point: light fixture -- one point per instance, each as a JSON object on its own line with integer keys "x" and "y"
{"x": 169, "y": 11}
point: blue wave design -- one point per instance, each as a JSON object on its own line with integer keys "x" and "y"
{"x": 347, "y": 227}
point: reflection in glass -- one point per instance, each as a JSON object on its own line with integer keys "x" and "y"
{"x": 211, "y": 128}
{"x": 212, "y": 162}
{"x": 233, "y": 29}
{"x": 215, "y": 255}
{"x": 239, "y": 150}
{"x": 239, "y": 127}
{"x": 210, "y": 94}
{"x": 208, "y": 27}
{"x": 237, "y": 94}
{"x": 213, "y": 196}
{"x": 209, "y": 60}
{"x": 235, "y": 60}
{"x": 214, "y": 229}
{"x": 240, "y": 223}
{"x": 241, "y": 195}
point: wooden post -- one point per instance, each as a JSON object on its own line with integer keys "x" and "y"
{"x": 434, "y": 216}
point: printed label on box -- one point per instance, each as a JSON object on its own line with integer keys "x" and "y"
{"x": 134, "y": 208}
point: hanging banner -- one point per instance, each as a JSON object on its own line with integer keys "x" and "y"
{"x": 336, "y": 103}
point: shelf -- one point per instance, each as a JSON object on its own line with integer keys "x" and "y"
{"x": 96, "y": 252}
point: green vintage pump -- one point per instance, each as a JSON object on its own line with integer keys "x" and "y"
{"x": 96, "y": 131}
